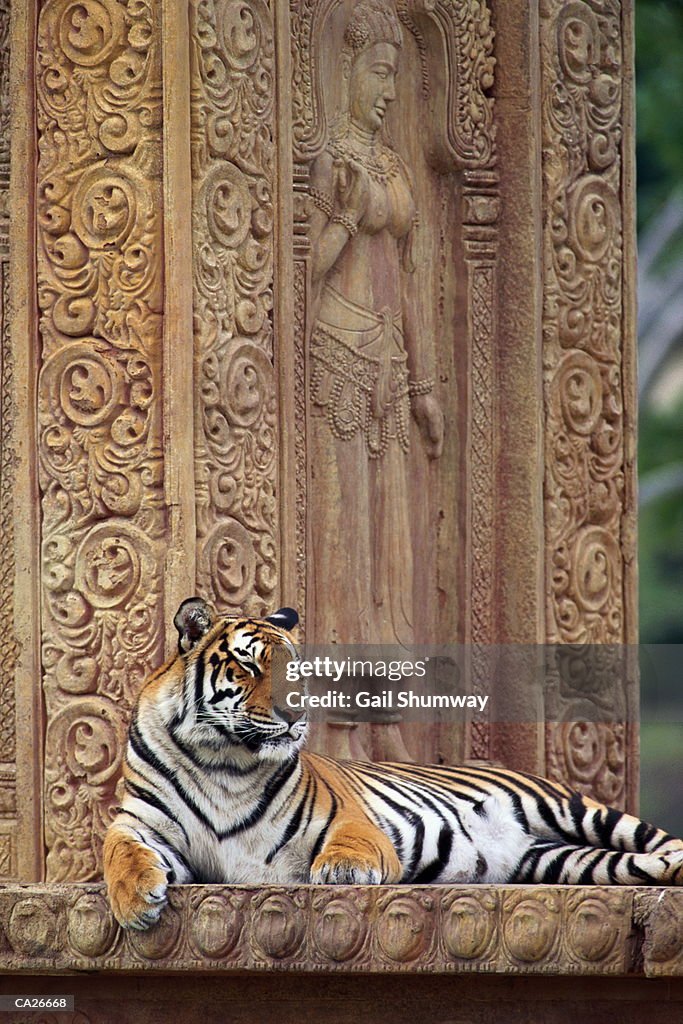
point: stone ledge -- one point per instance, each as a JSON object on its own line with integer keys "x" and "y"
{"x": 519, "y": 930}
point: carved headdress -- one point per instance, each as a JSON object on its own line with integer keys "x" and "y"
{"x": 372, "y": 21}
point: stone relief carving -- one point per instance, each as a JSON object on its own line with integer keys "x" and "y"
{"x": 4, "y": 127}
{"x": 481, "y": 205}
{"x": 365, "y": 371}
{"x": 588, "y": 534}
{"x": 233, "y": 172}
{"x": 661, "y": 918}
{"x": 100, "y": 253}
{"x": 504, "y": 929}
{"x": 98, "y": 85}
{"x": 8, "y": 646}
{"x": 371, "y": 342}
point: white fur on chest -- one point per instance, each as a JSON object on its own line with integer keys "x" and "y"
{"x": 242, "y": 859}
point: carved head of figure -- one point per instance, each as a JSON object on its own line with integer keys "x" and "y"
{"x": 372, "y": 41}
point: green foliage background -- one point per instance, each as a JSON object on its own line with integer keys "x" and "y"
{"x": 659, "y": 98}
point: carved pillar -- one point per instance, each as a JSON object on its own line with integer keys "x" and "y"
{"x": 234, "y": 188}
{"x": 589, "y": 397}
{"x": 9, "y": 825}
{"x": 100, "y": 411}
{"x": 21, "y": 621}
{"x": 481, "y": 202}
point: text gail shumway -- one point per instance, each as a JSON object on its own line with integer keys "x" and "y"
{"x": 385, "y": 699}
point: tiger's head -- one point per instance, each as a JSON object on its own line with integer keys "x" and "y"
{"x": 232, "y": 704}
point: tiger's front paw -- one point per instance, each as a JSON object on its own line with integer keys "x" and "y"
{"x": 136, "y": 884}
{"x": 339, "y": 865}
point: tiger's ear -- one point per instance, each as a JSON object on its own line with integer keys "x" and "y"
{"x": 193, "y": 619}
{"x": 285, "y": 618}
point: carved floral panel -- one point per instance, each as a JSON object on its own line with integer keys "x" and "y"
{"x": 100, "y": 245}
{"x": 233, "y": 176}
{"x": 589, "y": 528}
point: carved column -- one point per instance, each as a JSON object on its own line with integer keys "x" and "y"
{"x": 589, "y": 397}
{"x": 101, "y": 449}
{"x": 234, "y": 188}
{"x": 481, "y": 202}
{"x": 9, "y": 826}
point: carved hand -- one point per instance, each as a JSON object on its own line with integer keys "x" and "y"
{"x": 352, "y": 188}
{"x": 429, "y": 418}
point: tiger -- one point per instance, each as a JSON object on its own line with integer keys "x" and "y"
{"x": 218, "y": 787}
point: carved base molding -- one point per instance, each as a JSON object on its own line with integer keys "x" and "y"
{"x": 518, "y": 930}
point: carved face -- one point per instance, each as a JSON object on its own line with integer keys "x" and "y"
{"x": 372, "y": 85}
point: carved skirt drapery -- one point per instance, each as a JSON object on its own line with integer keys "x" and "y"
{"x": 359, "y": 497}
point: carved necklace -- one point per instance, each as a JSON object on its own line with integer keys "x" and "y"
{"x": 349, "y": 142}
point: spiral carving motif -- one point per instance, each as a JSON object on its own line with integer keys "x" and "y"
{"x": 229, "y": 564}
{"x": 240, "y": 31}
{"x": 595, "y": 558}
{"x": 89, "y": 32}
{"x": 587, "y": 367}
{"x": 227, "y": 205}
{"x": 580, "y": 392}
{"x": 99, "y": 419}
{"x": 590, "y": 753}
{"x": 593, "y": 218}
{"x": 578, "y": 42}
{"x": 110, "y": 565}
{"x": 85, "y": 383}
{"x": 90, "y": 733}
{"x": 104, "y": 209}
{"x": 233, "y": 185}
{"x": 248, "y": 386}
{"x": 584, "y": 749}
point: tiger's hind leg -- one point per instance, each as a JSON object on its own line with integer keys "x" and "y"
{"x": 136, "y": 878}
{"x": 578, "y": 820}
{"x": 551, "y": 861}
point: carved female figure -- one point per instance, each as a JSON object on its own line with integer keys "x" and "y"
{"x": 367, "y": 369}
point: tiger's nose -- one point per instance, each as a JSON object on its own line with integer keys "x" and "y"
{"x": 288, "y": 715}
